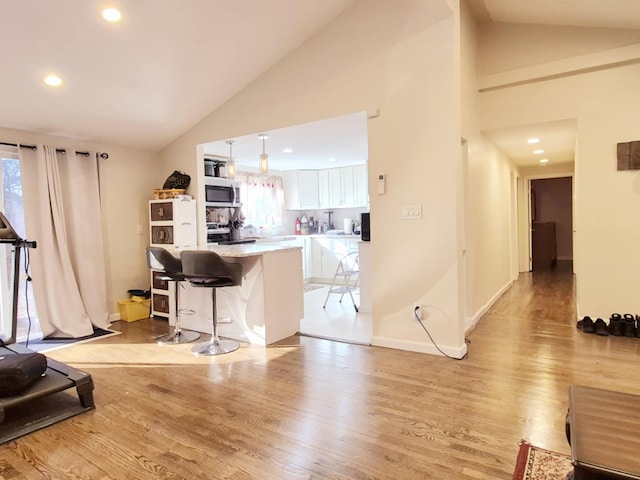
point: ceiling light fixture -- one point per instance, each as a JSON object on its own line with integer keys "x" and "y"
{"x": 538, "y": 152}
{"x": 544, "y": 161}
{"x": 231, "y": 164}
{"x": 287, "y": 150}
{"x": 111, "y": 14}
{"x": 533, "y": 140}
{"x": 264, "y": 158}
{"x": 53, "y": 80}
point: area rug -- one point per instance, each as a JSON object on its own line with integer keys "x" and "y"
{"x": 536, "y": 463}
{"x": 49, "y": 344}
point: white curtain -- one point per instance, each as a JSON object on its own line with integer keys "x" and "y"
{"x": 262, "y": 197}
{"x": 62, "y": 214}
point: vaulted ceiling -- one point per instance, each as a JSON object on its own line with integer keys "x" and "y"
{"x": 147, "y": 79}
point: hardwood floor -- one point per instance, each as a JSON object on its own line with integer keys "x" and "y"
{"x": 311, "y": 408}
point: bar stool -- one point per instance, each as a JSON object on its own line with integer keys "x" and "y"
{"x": 207, "y": 269}
{"x": 160, "y": 259}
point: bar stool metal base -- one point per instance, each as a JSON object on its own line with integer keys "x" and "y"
{"x": 177, "y": 337}
{"x": 216, "y": 347}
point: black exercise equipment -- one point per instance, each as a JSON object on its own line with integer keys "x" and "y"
{"x": 43, "y": 402}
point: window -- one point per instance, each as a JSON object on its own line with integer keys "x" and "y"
{"x": 12, "y": 207}
{"x": 262, "y": 198}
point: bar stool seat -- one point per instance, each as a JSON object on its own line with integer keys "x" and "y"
{"x": 207, "y": 269}
{"x": 171, "y": 267}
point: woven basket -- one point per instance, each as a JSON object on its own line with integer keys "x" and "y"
{"x": 160, "y": 194}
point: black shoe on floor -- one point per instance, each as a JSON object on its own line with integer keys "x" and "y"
{"x": 615, "y": 325}
{"x": 629, "y": 325}
{"x": 586, "y": 325}
{"x": 601, "y": 327}
{"x": 637, "y": 325}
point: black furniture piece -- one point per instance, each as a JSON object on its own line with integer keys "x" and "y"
{"x": 160, "y": 259}
{"x": 207, "y": 269}
{"x": 45, "y": 402}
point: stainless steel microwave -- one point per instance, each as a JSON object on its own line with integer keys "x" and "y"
{"x": 221, "y": 192}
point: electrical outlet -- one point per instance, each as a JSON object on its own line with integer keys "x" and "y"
{"x": 416, "y": 312}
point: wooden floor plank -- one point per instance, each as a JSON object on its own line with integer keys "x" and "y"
{"x": 311, "y": 408}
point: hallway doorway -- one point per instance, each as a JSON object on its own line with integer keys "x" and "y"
{"x": 551, "y": 214}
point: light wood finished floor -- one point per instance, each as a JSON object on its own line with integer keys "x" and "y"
{"x": 311, "y": 408}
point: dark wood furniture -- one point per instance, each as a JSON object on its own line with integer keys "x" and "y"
{"x": 604, "y": 431}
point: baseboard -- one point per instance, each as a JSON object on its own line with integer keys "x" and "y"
{"x": 420, "y": 347}
{"x": 470, "y": 322}
{"x": 114, "y": 317}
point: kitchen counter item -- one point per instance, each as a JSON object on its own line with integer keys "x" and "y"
{"x": 347, "y": 226}
{"x": 237, "y": 242}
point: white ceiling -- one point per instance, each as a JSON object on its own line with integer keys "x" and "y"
{"x": 557, "y": 138}
{"x": 145, "y": 81}
{"x": 330, "y": 143}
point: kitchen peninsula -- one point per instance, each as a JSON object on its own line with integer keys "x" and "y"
{"x": 267, "y": 307}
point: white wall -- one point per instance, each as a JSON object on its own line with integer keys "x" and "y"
{"x": 399, "y": 58}
{"x": 607, "y": 108}
{"x": 488, "y": 203}
{"x": 126, "y": 187}
{"x": 502, "y": 44}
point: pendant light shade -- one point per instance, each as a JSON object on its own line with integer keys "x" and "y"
{"x": 231, "y": 164}
{"x": 264, "y": 158}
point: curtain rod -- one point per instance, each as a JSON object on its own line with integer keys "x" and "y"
{"x": 102, "y": 155}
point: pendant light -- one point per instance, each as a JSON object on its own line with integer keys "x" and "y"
{"x": 264, "y": 158}
{"x": 231, "y": 164}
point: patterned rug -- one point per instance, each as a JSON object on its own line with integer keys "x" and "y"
{"x": 539, "y": 464}
{"x": 49, "y": 344}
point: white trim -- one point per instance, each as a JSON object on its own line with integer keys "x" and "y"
{"x": 561, "y": 68}
{"x": 470, "y": 322}
{"x": 420, "y": 347}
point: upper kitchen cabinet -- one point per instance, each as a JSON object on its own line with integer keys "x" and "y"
{"x": 301, "y": 189}
{"x": 344, "y": 187}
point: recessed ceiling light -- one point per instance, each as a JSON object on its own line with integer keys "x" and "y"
{"x": 543, "y": 161}
{"x": 53, "y": 80}
{"x": 111, "y": 14}
{"x": 287, "y": 150}
{"x": 538, "y": 152}
{"x": 533, "y": 140}
{"x": 332, "y": 159}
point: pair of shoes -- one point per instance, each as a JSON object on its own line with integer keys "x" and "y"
{"x": 601, "y": 327}
{"x": 637, "y": 325}
{"x": 616, "y": 325}
{"x": 586, "y": 325}
{"x": 629, "y": 325}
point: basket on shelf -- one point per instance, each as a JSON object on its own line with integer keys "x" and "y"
{"x": 160, "y": 194}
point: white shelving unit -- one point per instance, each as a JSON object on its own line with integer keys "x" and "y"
{"x": 172, "y": 225}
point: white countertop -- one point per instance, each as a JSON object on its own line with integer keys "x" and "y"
{"x": 249, "y": 249}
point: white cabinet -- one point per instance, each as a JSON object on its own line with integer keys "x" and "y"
{"x": 344, "y": 187}
{"x": 361, "y": 186}
{"x": 326, "y": 253}
{"x": 324, "y": 198}
{"x": 301, "y": 189}
{"x": 172, "y": 225}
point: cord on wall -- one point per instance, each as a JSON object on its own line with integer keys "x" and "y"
{"x": 417, "y": 312}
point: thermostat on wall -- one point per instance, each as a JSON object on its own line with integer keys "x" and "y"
{"x": 381, "y": 180}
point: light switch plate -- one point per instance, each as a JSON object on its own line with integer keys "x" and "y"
{"x": 412, "y": 212}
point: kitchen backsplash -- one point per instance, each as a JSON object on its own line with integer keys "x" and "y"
{"x": 339, "y": 214}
